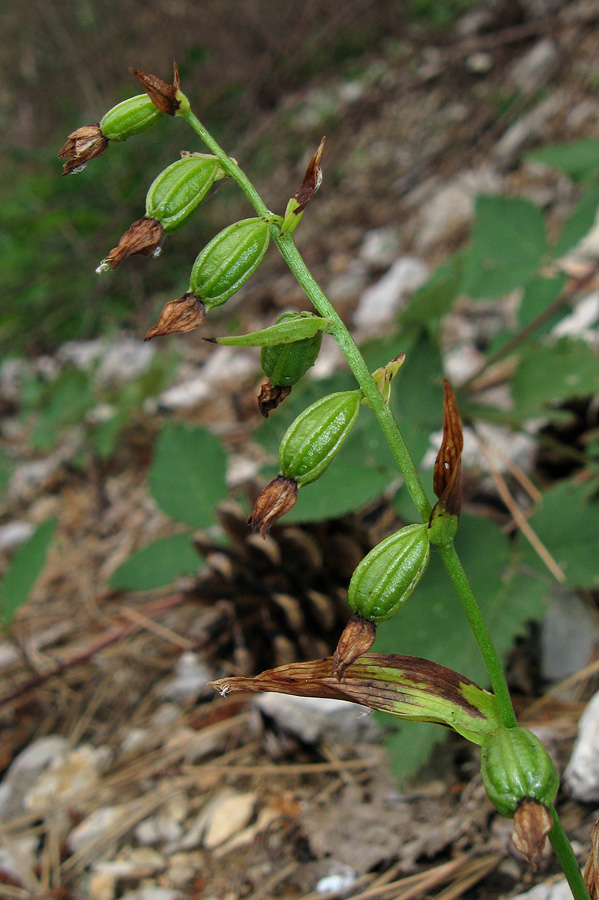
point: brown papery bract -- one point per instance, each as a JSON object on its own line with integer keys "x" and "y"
{"x": 179, "y": 316}
{"x": 84, "y": 144}
{"x": 448, "y": 466}
{"x": 277, "y": 498}
{"x": 271, "y": 396}
{"x": 532, "y": 824}
{"x": 312, "y": 180}
{"x": 356, "y": 639}
{"x": 143, "y": 237}
{"x": 162, "y": 94}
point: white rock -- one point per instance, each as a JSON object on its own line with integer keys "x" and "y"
{"x": 102, "y": 886}
{"x": 529, "y": 127}
{"x": 151, "y": 892}
{"x": 135, "y": 862}
{"x": 166, "y": 826}
{"x": 12, "y": 375}
{"x": 568, "y": 637}
{"x": 25, "y": 770}
{"x": 451, "y": 209}
{"x": 19, "y": 857}
{"x": 379, "y": 303}
{"x": 314, "y": 719}
{"x": 580, "y": 321}
{"x": 536, "y": 67}
{"x": 82, "y": 354}
{"x": 29, "y": 478}
{"x": 340, "y": 878}
{"x": 348, "y": 285}
{"x": 124, "y": 360}
{"x": 582, "y": 772}
{"x": 380, "y": 247}
{"x": 229, "y": 813}
{"x": 68, "y": 777}
{"x": 190, "y": 681}
{"x": 225, "y": 366}
{"x": 559, "y": 890}
{"x": 14, "y": 533}
{"x": 240, "y": 469}
{"x": 95, "y": 826}
{"x": 480, "y": 63}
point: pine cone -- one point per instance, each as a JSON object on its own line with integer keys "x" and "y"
{"x": 282, "y": 599}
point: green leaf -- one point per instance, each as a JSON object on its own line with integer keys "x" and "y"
{"x": 539, "y": 294}
{"x": 64, "y": 402}
{"x": 552, "y": 373}
{"x": 579, "y": 159}
{"x": 508, "y": 245}
{"x": 187, "y": 477}
{"x": 432, "y": 624}
{"x": 345, "y": 486}
{"x": 580, "y": 222}
{"x": 435, "y": 298}
{"x": 300, "y": 327}
{"x": 158, "y": 564}
{"x": 567, "y": 523}
{"x": 24, "y": 570}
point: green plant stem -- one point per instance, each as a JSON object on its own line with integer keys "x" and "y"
{"x": 382, "y": 412}
{"x": 563, "y": 850}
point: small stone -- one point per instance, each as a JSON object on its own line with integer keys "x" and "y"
{"x": 340, "y": 878}
{"x": 82, "y": 354}
{"x": 480, "y": 63}
{"x": 225, "y": 367}
{"x": 569, "y": 636}
{"x": 124, "y": 360}
{"x": 25, "y": 770}
{"x": 151, "y": 892}
{"x": 582, "y": 772}
{"x": 14, "y": 534}
{"x": 527, "y": 129}
{"x": 190, "y": 681}
{"x": 558, "y": 890}
{"x": 102, "y": 886}
{"x": 136, "y": 862}
{"x": 379, "y": 304}
{"x": 314, "y": 719}
{"x": 166, "y": 825}
{"x": 95, "y": 826}
{"x": 533, "y": 70}
{"x": 229, "y": 814}
{"x": 67, "y": 778}
{"x": 20, "y": 856}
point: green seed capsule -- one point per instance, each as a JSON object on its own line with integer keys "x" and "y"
{"x": 311, "y": 442}
{"x": 228, "y": 261}
{"x": 129, "y": 118}
{"x": 285, "y": 364}
{"x": 179, "y": 189}
{"x": 387, "y": 575}
{"x": 515, "y": 766}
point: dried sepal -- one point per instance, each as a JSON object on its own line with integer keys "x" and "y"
{"x": 404, "y": 686}
{"x": 162, "y": 94}
{"x": 84, "y": 144}
{"x": 447, "y": 471}
{"x": 277, "y": 498}
{"x": 143, "y": 237}
{"x": 179, "y": 317}
{"x": 532, "y": 824}
{"x": 309, "y": 186}
{"x": 356, "y": 639}
{"x": 271, "y": 396}
{"x": 591, "y": 869}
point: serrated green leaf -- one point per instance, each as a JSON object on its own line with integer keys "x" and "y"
{"x": 187, "y": 477}
{"x": 567, "y": 523}
{"x": 435, "y": 298}
{"x": 24, "y": 570}
{"x": 508, "y": 246}
{"x": 552, "y": 373}
{"x": 158, "y": 564}
{"x": 539, "y": 294}
{"x": 580, "y": 222}
{"x": 432, "y": 624}
{"x": 579, "y": 160}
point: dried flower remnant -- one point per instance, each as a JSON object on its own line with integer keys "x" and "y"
{"x": 532, "y": 824}
{"x": 271, "y": 396}
{"x": 356, "y": 639}
{"x": 84, "y": 144}
{"x": 447, "y": 474}
{"x": 143, "y": 237}
{"x": 162, "y": 94}
{"x": 309, "y": 186}
{"x": 179, "y": 317}
{"x": 277, "y": 498}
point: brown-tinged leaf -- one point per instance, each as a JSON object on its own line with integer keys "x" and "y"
{"x": 84, "y": 144}
{"x": 356, "y": 639}
{"x": 532, "y": 824}
{"x": 271, "y": 396}
{"x": 312, "y": 180}
{"x": 447, "y": 471}
{"x": 277, "y": 498}
{"x": 143, "y": 237}
{"x": 179, "y": 316}
{"x": 591, "y": 869}
{"x": 405, "y": 686}
{"x": 162, "y": 94}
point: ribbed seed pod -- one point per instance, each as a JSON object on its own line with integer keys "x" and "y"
{"x": 228, "y": 261}
{"x": 180, "y": 188}
{"x": 129, "y": 118}
{"x": 514, "y": 766}
{"x": 285, "y": 364}
{"x": 316, "y": 436}
{"x": 386, "y": 577}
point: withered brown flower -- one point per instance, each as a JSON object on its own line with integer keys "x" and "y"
{"x": 277, "y": 498}
{"x": 84, "y": 144}
{"x": 143, "y": 237}
{"x": 271, "y": 396}
{"x": 356, "y": 639}
{"x": 162, "y": 94}
{"x": 179, "y": 316}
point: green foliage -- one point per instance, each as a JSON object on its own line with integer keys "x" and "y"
{"x": 187, "y": 478}
{"x": 432, "y": 623}
{"x": 24, "y": 570}
{"x": 579, "y": 160}
{"x": 580, "y": 222}
{"x": 551, "y": 373}
{"x": 158, "y": 564}
{"x": 438, "y": 13}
